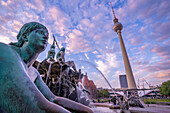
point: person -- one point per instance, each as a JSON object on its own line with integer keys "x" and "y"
{"x": 102, "y": 100}
{"x": 98, "y": 100}
{"x": 114, "y": 100}
{"x": 22, "y": 89}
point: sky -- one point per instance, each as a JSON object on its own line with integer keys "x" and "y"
{"x": 85, "y": 29}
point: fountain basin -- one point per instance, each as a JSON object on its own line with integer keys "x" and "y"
{"x": 97, "y": 109}
{"x": 105, "y": 105}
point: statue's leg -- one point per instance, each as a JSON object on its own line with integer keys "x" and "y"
{"x": 2, "y": 110}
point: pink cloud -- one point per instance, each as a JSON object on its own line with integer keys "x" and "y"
{"x": 162, "y": 51}
{"x": 77, "y": 43}
{"x": 143, "y": 63}
{"x": 145, "y": 46}
{"x": 162, "y": 66}
{"x": 136, "y": 40}
{"x": 158, "y": 77}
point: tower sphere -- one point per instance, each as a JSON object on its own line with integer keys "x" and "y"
{"x": 117, "y": 26}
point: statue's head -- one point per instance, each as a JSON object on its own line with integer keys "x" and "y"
{"x": 62, "y": 49}
{"x": 31, "y": 33}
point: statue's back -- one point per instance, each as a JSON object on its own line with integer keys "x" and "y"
{"x": 17, "y": 92}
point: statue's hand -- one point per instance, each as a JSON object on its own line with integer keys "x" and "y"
{"x": 72, "y": 105}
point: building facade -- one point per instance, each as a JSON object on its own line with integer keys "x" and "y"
{"x": 123, "y": 81}
{"x": 90, "y": 86}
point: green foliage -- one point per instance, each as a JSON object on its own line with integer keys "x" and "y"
{"x": 154, "y": 101}
{"x": 104, "y": 100}
{"x": 165, "y": 88}
{"x": 103, "y": 93}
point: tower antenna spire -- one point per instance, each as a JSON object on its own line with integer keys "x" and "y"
{"x": 113, "y": 11}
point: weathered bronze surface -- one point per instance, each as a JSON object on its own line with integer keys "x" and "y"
{"x": 21, "y": 88}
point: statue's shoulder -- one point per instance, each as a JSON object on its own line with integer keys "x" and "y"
{"x": 4, "y": 45}
{"x": 33, "y": 73}
{"x": 5, "y": 48}
{"x": 7, "y": 52}
{"x": 9, "y": 60}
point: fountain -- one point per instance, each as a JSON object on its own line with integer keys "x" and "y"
{"x": 124, "y": 104}
{"x": 64, "y": 80}
{"x": 61, "y": 77}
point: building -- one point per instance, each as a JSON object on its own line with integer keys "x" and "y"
{"x": 90, "y": 86}
{"x": 130, "y": 78}
{"x": 123, "y": 81}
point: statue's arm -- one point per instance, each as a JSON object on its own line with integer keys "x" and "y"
{"x": 64, "y": 102}
{"x": 43, "y": 88}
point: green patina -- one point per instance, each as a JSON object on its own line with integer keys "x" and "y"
{"x": 62, "y": 50}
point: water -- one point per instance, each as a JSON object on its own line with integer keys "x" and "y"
{"x": 121, "y": 103}
{"x": 104, "y": 110}
{"x": 103, "y": 77}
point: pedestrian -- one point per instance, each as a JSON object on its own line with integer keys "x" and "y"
{"x": 114, "y": 100}
{"x": 98, "y": 100}
{"x": 109, "y": 101}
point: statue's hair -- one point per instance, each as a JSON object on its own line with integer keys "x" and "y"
{"x": 26, "y": 30}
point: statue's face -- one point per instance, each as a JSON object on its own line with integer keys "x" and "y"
{"x": 38, "y": 39}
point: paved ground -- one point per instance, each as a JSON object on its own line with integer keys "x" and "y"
{"x": 152, "y": 108}
{"x": 157, "y": 109}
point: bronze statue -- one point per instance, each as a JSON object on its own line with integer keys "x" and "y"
{"x": 21, "y": 88}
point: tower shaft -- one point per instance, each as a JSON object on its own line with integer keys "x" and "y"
{"x": 129, "y": 73}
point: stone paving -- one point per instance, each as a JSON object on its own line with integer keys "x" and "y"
{"x": 157, "y": 109}
{"x": 152, "y": 108}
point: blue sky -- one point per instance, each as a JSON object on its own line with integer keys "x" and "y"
{"x": 85, "y": 29}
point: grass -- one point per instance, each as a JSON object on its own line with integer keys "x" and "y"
{"x": 104, "y": 100}
{"x": 154, "y": 101}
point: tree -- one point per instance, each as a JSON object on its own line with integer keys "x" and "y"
{"x": 165, "y": 88}
{"x": 103, "y": 93}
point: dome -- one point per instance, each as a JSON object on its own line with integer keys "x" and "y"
{"x": 117, "y": 26}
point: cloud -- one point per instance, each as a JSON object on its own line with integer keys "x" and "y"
{"x": 110, "y": 62}
{"x": 4, "y": 39}
{"x": 136, "y": 40}
{"x": 144, "y": 47}
{"x": 77, "y": 43}
{"x": 143, "y": 29}
{"x": 95, "y": 52}
{"x": 17, "y": 25}
{"x": 143, "y": 9}
{"x": 156, "y": 78}
{"x": 143, "y": 63}
{"x": 158, "y": 67}
{"x": 162, "y": 51}
{"x": 86, "y": 56}
{"x": 160, "y": 31}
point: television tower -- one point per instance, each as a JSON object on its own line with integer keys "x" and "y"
{"x": 129, "y": 74}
